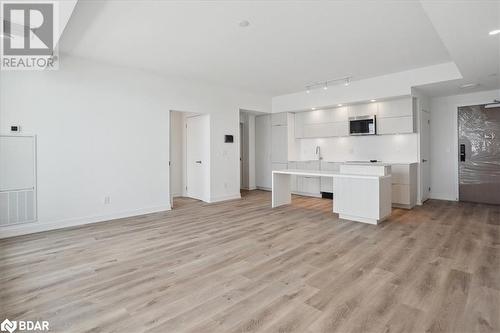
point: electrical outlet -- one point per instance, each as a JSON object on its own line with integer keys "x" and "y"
{"x": 107, "y": 200}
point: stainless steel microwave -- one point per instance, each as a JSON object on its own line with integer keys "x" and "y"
{"x": 362, "y": 125}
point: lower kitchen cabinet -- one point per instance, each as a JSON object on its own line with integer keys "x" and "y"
{"x": 404, "y": 185}
{"x": 309, "y": 186}
{"x": 326, "y": 183}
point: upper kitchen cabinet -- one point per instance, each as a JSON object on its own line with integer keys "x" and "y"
{"x": 321, "y": 123}
{"x": 396, "y": 116}
{"x": 279, "y": 119}
{"x": 396, "y": 108}
{"x": 367, "y": 109}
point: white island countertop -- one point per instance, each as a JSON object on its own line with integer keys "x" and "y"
{"x": 361, "y": 195}
{"x": 325, "y": 173}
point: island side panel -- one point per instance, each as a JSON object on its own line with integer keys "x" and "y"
{"x": 281, "y": 190}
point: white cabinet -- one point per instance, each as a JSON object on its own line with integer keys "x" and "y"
{"x": 263, "y": 166}
{"x": 321, "y": 123}
{"x": 367, "y": 109}
{"x": 279, "y": 139}
{"x": 395, "y": 125}
{"x": 325, "y": 130}
{"x": 308, "y": 185}
{"x": 326, "y": 183}
{"x": 395, "y": 108}
{"x": 279, "y": 119}
{"x": 305, "y": 185}
{"x": 404, "y": 185}
{"x": 396, "y": 116}
{"x": 271, "y": 147}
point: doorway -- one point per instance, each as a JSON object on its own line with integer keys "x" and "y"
{"x": 479, "y": 154}
{"x": 243, "y": 157}
{"x": 189, "y": 156}
{"x": 247, "y": 149}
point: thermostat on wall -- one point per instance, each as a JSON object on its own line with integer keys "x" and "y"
{"x": 228, "y": 138}
{"x": 15, "y": 128}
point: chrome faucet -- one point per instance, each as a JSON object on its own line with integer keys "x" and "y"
{"x": 318, "y": 152}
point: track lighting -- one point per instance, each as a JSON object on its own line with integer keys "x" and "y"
{"x": 325, "y": 84}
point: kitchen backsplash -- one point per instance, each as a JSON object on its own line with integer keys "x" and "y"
{"x": 391, "y": 148}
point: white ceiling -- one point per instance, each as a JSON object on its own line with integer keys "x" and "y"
{"x": 463, "y": 27}
{"x": 287, "y": 45}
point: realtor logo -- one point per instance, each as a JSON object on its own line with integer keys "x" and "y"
{"x": 24, "y": 325}
{"x": 28, "y": 35}
{"x": 8, "y": 325}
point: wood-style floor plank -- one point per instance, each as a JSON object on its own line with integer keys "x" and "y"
{"x": 240, "y": 266}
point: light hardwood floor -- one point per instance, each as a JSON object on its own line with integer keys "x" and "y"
{"x": 241, "y": 266}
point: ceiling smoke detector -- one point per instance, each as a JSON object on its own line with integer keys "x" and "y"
{"x": 244, "y": 24}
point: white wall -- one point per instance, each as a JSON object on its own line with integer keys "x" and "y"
{"x": 385, "y": 86}
{"x": 387, "y": 148}
{"x": 444, "y": 141}
{"x": 104, "y": 130}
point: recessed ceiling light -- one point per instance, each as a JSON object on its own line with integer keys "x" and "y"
{"x": 244, "y": 24}
{"x": 373, "y": 100}
{"x": 313, "y": 109}
{"x": 339, "y": 104}
{"x": 469, "y": 85}
{"x": 494, "y": 32}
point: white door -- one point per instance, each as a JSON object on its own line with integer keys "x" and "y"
{"x": 197, "y": 157}
{"x": 425, "y": 150}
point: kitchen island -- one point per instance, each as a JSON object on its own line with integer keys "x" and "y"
{"x": 363, "y": 192}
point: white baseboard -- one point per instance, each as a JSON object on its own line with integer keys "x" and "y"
{"x": 442, "y": 196}
{"x": 30, "y": 228}
{"x": 225, "y": 198}
{"x": 263, "y": 188}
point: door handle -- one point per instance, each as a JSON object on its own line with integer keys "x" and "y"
{"x": 199, "y": 162}
{"x": 424, "y": 160}
{"x": 462, "y": 153}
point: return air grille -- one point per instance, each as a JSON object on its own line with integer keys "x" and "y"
{"x": 17, "y": 207}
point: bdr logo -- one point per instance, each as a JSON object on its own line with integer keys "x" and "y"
{"x": 8, "y": 325}
{"x": 29, "y": 33}
{"x": 22, "y": 325}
